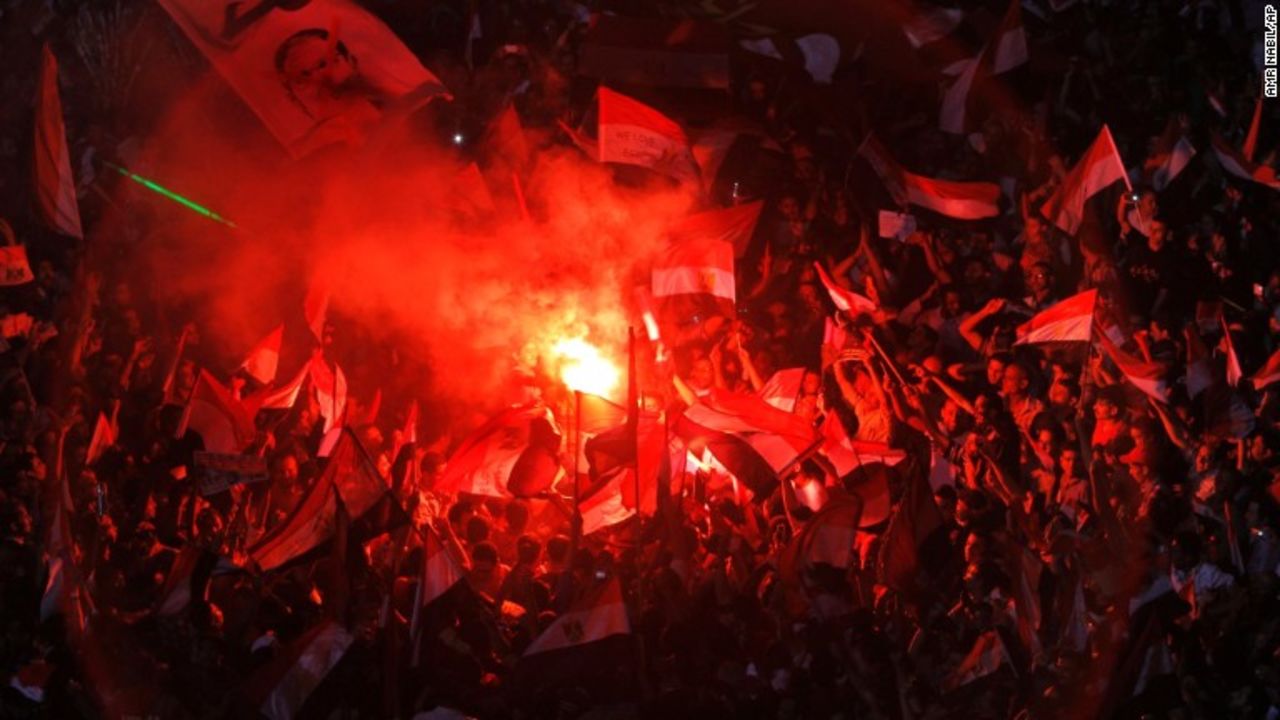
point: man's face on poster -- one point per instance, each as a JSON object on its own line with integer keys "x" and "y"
{"x": 311, "y": 64}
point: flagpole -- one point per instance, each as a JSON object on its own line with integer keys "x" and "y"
{"x": 577, "y": 455}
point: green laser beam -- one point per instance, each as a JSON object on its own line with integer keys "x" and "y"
{"x": 159, "y": 189}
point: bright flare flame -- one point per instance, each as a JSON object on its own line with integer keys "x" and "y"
{"x": 585, "y": 369}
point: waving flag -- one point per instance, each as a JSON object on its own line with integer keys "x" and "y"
{"x": 281, "y": 688}
{"x": 440, "y": 569}
{"x": 987, "y": 655}
{"x": 928, "y": 24}
{"x": 844, "y": 300}
{"x": 515, "y": 453}
{"x": 1149, "y": 377}
{"x": 263, "y": 360}
{"x": 1236, "y": 164}
{"x": 734, "y": 225}
{"x": 224, "y": 423}
{"x": 1006, "y": 51}
{"x": 1251, "y": 139}
{"x": 105, "y": 433}
{"x": 1199, "y": 371}
{"x": 1068, "y": 321}
{"x": 960, "y": 200}
{"x": 55, "y": 185}
{"x": 598, "y": 615}
{"x": 633, "y": 133}
{"x": 1269, "y": 373}
{"x": 783, "y": 388}
{"x": 827, "y": 537}
{"x": 694, "y": 277}
{"x": 271, "y": 55}
{"x": 1171, "y": 155}
{"x": 1097, "y": 169}
{"x": 279, "y": 398}
{"x": 330, "y": 388}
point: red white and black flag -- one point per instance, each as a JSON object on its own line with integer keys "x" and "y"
{"x": 694, "y": 278}
{"x": 516, "y": 453}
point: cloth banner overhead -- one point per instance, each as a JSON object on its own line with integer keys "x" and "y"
{"x": 315, "y": 71}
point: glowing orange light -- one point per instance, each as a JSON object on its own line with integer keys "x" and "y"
{"x": 585, "y": 369}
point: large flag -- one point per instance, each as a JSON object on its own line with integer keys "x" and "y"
{"x": 960, "y": 200}
{"x": 751, "y": 438}
{"x": 1236, "y": 164}
{"x": 633, "y": 133}
{"x": 55, "y": 185}
{"x": 1070, "y": 320}
{"x": 904, "y": 554}
{"x": 1149, "y": 377}
{"x": 1098, "y": 168}
{"x": 846, "y": 454}
{"x": 515, "y": 453}
{"x": 263, "y": 360}
{"x": 844, "y": 300}
{"x": 316, "y": 73}
{"x": 349, "y": 477}
{"x": 782, "y": 389}
{"x": 597, "y": 615}
{"x": 224, "y": 423}
{"x": 1006, "y": 51}
{"x": 281, "y": 688}
{"x": 657, "y": 52}
{"x": 694, "y": 278}
{"x": 734, "y": 225}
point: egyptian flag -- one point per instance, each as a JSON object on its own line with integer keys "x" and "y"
{"x": 279, "y": 398}
{"x": 350, "y": 477}
{"x": 1006, "y": 51}
{"x": 987, "y": 655}
{"x": 847, "y": 455}
{"x": 1171, "y": 155}
{"x": 1097, "y": 169}
{"x": 1070, "y": 320}
{"x": 1235, "y": 163}
{"x": 845, "y": 300}
{"x": 1149, "y": 377}
{"x": 960, "y": 200}
{"x": 598, "y": 615}
{"x": 263, "y": 360}
{"x": 656, "y": 52}
{"x": 752, "y": 439}
{"x": 55, "y": 185}
{"x": 515, "y": 453}
{"x": 783, "y": 388}
{"x": 223, "y": 422}
{"x": 632, "y": 133}
{"x": 734, "y": 225}
{"x": 186, "y": 581}
{"x": 330, "y": 388}
{"x": 1269, "y": 373}
{"x": 599, "y": 417}
{"x": 104, "y": 436}
{"x": 908, "y": 558}
{"x": 280, "y": 689}
{"x": 827, "y": 537}
{"x": 440, "y": 569}
{"x": 1199, "y": 369}
{"x": 694, "y": 278}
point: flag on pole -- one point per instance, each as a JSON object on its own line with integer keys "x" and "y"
{"x": 281, "y": 688}
{"x": 440, "y": 569}
{"x": 1170, "y": 156}
{"x": 1070, "y": 320}
{"x": 1149, "y": 377}
{"x": 1097, "y": 169}
{"x": 1006, "y": 51}
{"x": 960, "y": 200}
{"x": 904, "y": 553}
{"x": 827, "y": 537}
{"x": 330, "y": 388}
{"x": 845, "y": 300}
{"x": 734, "y": 225}
{"x": 1237, "y": 164}
{"x": 928, "y": 23}
{"x": 783, "y": 388}
{"x": 279, "y": 398}
{"x": 633, "y": 133}
{"x": 514, "y": 453}
{"x": 694, "y": 278}
{"x": 55, "y": 185}
{"x": 263, "y": 360}
{"x": 224, "y": 423}
{"x": 598, "y": 615}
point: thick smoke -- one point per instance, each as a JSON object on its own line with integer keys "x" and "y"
{"x": 394, "y": 233}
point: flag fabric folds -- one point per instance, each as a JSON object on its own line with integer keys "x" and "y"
{"x": 281, "y": 688}
{"x": 514, "y": 453}
{"x": 263, "y": 360}
{"x": 597, "y": 615}
{"x": 55, "y": 185}
{"x": 1005, "y": 51}
{"x": 1235, "y": 163}
{"x": 1268, "y": 373}
{"x": 694, "y": 277}
{"x": 267, "y": 57}
{"x": 1097, "y": 169}
{"x": 734, "y": 225}
{"x": 1070, "y": 320}
{"x": 1149, "y": 377}
{"x": 223, "y": 422}
{"x": 844, "y": 300}
{"x": 633, "y": 133}
{"x": 960, "y": 200}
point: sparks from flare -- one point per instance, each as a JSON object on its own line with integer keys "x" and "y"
{"x": 584, "y": 368}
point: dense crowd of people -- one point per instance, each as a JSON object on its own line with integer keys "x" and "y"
{"x": 1055, "y": 541}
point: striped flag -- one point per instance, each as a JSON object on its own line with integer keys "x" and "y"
{"x": 694, "y": 277}
{"x": 514, "y": 453}
{"x": 1149, "y": 377}
{"x": 1070, "y": 320}
{"x": 597, "y": 615}
{"x": 1170, "y": 156}
{"x": 281, "y": 688}
{"x": 734, "y": 225}
{"x": 1097, "y": 169}
{"x": 1006, "y": 51}
{"x": 632, "y": 133}
{"x": 1236, "y": 164}
{"x": 844, "y": 300}
{"x": 263, "y": 360}
{"x": 782, "y": 389}
{"x": 960, "y": 200}
{"x": 55, "y": 185}
{"x": 283, "y": 397}
{"x": 224, "y": 423}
